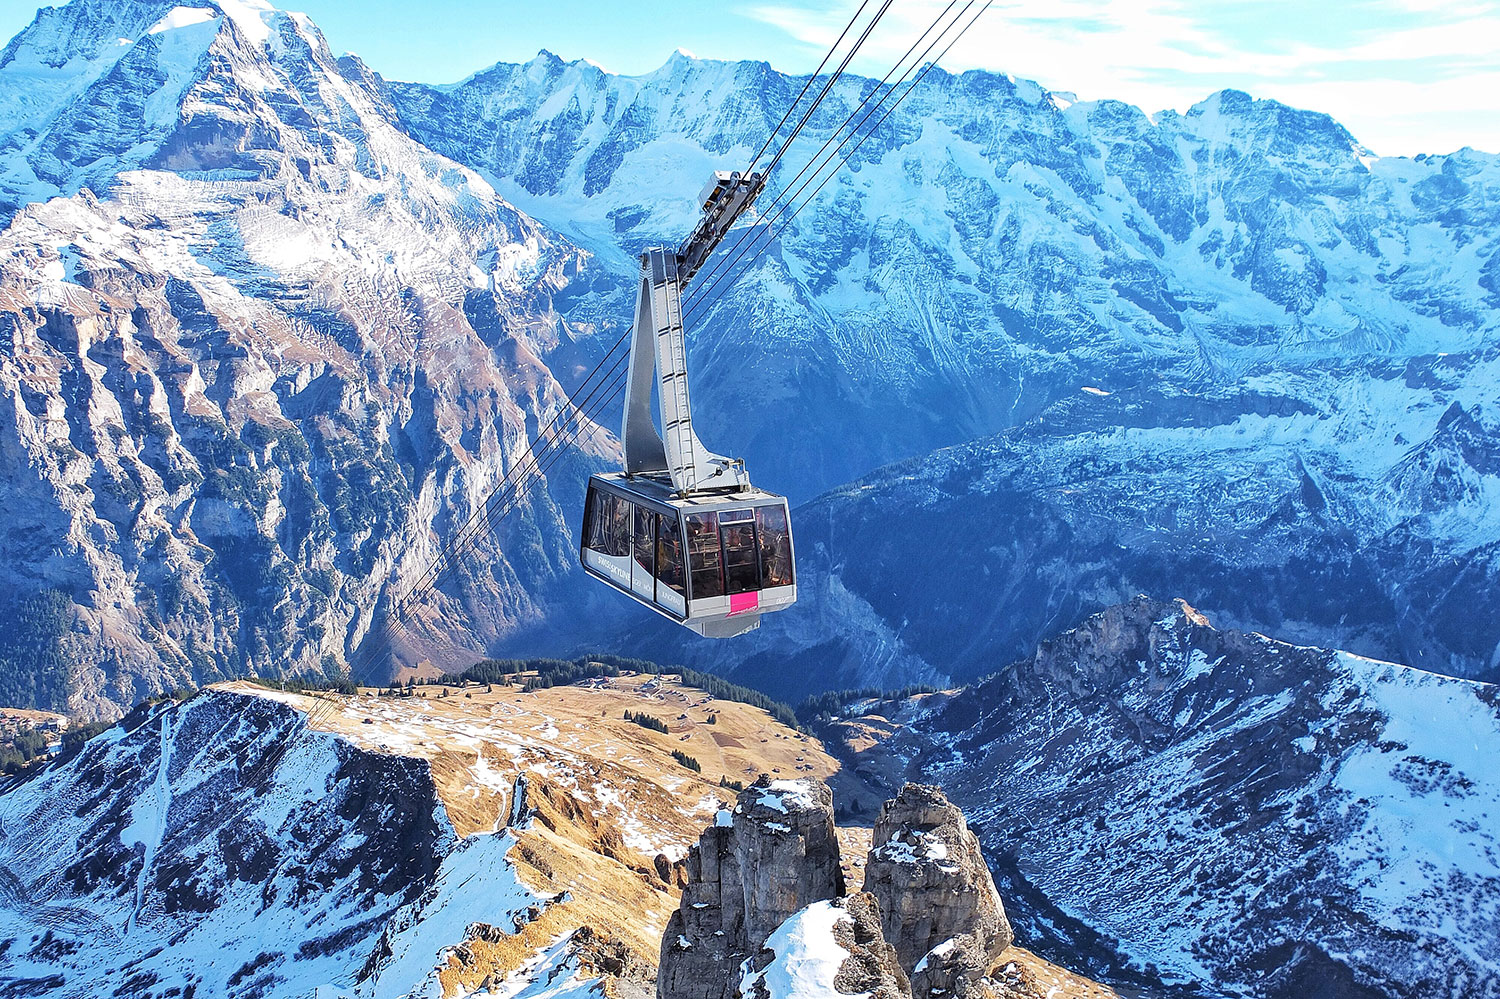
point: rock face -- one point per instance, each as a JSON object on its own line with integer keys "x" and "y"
{"x": 938, "y": 904}
{"x": 773, "y": 855}
{"x": 929, "y": 922}
{"x": 788, "y": 851}
{"x": 873, "y": 967}
{"x": 248, "y": 385}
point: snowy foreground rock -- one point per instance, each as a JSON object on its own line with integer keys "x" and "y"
{"x": 765, "y": 915}
{"x": 938, "y": 904}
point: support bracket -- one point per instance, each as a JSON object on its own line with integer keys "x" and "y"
{"x": 658, "y": 347}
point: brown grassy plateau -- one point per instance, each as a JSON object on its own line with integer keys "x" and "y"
{"x": 613, "y": 811}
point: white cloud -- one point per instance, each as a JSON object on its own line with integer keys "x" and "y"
{"x": 1403, "y": 75}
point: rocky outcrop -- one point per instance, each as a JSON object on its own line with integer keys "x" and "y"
{"x": 788, "y": 851}
{"x": 762, "y": 914}
{"x": 756, "y": 866}
{"x": 938, "y": 903}
{"x": 873, "y": 967}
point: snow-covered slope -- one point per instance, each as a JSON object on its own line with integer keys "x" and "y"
{"x": 255, "y": 380}
{"x": 402, "y": 847}
{"x": 808, "y": 957}
{"x": 1221, "y": 811}
{"x": 219, "y": 847}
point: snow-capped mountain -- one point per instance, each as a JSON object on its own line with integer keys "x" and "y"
{"x": 992, "y": 248}
{"x": 277, "y": 325}
{"x": 1245, "y": 358}
{"x": 263, "y": 355}
{"x": 1223, "y": 813}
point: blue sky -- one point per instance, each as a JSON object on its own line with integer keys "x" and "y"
{"x": 1405, "y": 76}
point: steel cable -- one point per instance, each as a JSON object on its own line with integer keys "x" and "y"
{"x": 741, "y": 247}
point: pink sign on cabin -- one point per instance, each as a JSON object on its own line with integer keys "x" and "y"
{"x": 741, "y": 603}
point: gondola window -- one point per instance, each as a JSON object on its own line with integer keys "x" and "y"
{"x": 775, "y": 546}
{"x": 703, "y": 555}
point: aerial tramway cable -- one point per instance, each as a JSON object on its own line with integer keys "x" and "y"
{"x": 579, "y": 420}
{"x": 803, "y": 92}
{"x": 752, "y": 234}
{"x": 828, "y": 85}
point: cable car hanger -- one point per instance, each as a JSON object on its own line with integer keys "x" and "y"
{"x": 680, "y": 528}
{"x": 658, "y": 346}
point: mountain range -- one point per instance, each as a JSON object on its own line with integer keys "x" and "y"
{"x": 1199, "y": 811}
{"x": 276, "y": 333}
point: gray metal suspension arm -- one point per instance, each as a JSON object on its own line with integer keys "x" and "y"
{"x": 658, "y": 345}
{"x": 726, "y": 195}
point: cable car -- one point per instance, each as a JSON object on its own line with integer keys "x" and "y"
{"x": 680, "y": 528}
{"x": 712, "y": 563}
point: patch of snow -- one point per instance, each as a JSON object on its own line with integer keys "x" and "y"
{"x": 476, "y": 882}
{"x": 182, "y": 17}
{"x": 776, "y": 796}
{"x": 808, "y": 957}
{"x": 251, "y": 16}
{"x": 940, "y": 951}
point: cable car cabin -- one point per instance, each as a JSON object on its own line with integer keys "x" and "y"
{"x": 714, "y": 563}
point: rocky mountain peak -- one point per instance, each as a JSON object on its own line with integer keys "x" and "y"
{"x": 938, "y": 903}
{"x": 1269, "y": 127}
{"x": 1109, "y": 648}
{"x": 928, "y": 922}
{"x": 774, "y": 854}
